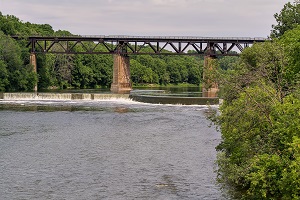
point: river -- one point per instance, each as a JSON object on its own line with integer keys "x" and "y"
{"x": 110, "y": 149}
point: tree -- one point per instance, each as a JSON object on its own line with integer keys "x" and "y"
{"x": 3, "y": 76}
{"x": 16, "y": 75}
{"x": 287, "y": 19}
{"x": 228, "y": 62}
{"x": 259, "y": 153}
{"x": 83, "y": 76}
{"x": 141, "y": 73}
{"x": 161, "y": 72}
{"x": 194, "y": 76}
{"x": 46, "y": 71}
{"x": 291, "y": 42}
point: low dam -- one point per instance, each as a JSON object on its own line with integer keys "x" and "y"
{"x": 159, "y": 97}
{"x": 60, "y": 96}
{"x": 146, "y": 96}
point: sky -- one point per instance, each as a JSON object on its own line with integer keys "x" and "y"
{"x": 202, "y": 18}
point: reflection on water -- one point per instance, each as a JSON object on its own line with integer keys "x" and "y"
{"x": 173, "y": 89}
{"x": 106, "y": 150}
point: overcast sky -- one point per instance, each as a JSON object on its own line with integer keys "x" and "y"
{"x": 215, "y": 18}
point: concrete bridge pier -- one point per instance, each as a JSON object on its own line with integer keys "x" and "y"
{"x": 34, "y": 64}
{"x": 121, "y": 74}
{"x": 209, "y": 87}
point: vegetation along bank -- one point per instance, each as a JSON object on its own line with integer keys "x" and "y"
{"x": 259, "y": 156}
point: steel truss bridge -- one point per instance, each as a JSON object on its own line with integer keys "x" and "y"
{"x": 122, "y": 46}
{"x": 136, "y": 45}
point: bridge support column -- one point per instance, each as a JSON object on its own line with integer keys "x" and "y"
{"x": 121, "y": 74}
{"x": 209, "y": 87}
{"x": 34, "y": 64}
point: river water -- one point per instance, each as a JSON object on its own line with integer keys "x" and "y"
{"x": 112, "y": 150}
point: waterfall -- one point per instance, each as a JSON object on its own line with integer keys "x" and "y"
{"x": 60, "y": 96}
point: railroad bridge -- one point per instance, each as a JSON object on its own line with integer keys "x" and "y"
{"x": 123, "y": 46}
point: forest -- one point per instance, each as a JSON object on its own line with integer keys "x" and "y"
{"x": 259, "y": 156}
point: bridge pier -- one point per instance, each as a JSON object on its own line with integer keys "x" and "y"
{"x": 34, "y": 64}
{"x": 209, "y": 87}
{"x": 121, "y": 74}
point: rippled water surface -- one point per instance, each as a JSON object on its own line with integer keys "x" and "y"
{"x": 106, "y": 150}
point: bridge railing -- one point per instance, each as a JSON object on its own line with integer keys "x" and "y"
{"x": 172, "y": 37}
{"x": 148, "y": 37}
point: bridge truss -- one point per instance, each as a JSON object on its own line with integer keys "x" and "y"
{"x": 135, "y": 45}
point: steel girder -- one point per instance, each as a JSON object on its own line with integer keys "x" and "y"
{"x": 136, "y": 45}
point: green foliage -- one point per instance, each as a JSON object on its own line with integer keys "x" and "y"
{"x": 11, "y": 25}
{"x": 291, "y": 42}
{"x": 259, "y": 151}
{"x": 287, "y": 19}
{"x": 262, "y": 64}
{"x": 228, "y": 62}
{"x": 260, "y": 117}
{"x": 15, "y": 74}
{"x": 194, "y": 75}
{"x": 141, "y": 73}
{"x": 169, "y": 69}
{"x": 83, "y": 75}
{"x": 3, "y": 76}
{"x": 275, "y": 175}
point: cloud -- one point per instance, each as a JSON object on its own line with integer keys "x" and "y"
{"x": 151, "y": 17}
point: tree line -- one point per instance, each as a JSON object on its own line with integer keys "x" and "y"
{"x": 259, "y": 156}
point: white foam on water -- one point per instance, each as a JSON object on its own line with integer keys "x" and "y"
{"x": 110, "y": 102}
{"x": 96, "y": 101}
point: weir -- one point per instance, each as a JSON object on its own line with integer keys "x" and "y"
{"x": 60, "y": 96}
{"x": 154, "y": 97}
